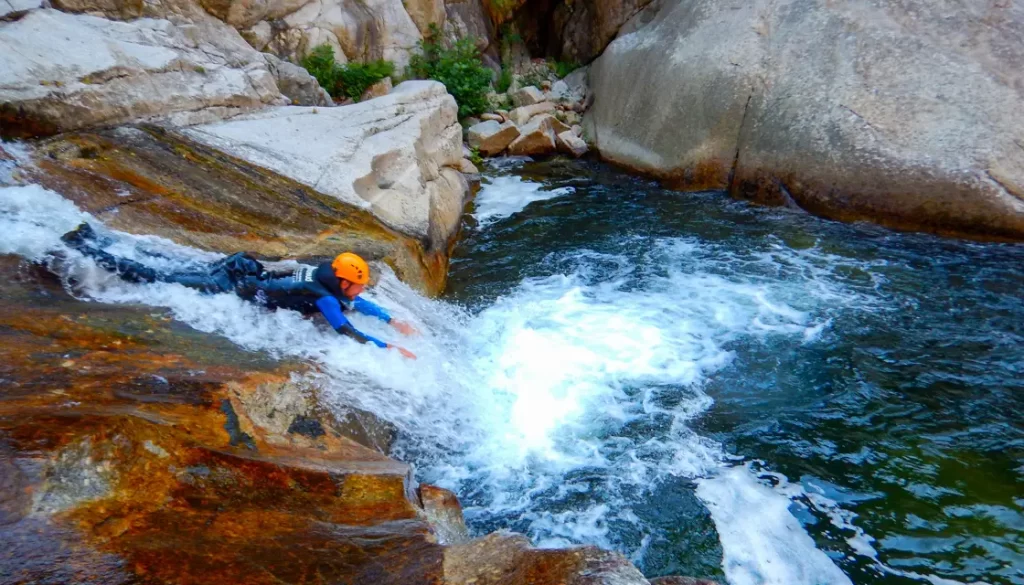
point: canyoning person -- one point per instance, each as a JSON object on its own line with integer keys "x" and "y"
{"x": 332, "y": 288}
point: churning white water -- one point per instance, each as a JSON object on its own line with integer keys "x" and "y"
{"x": 526, "y": 406}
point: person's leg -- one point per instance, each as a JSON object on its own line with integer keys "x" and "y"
{"x": 83, "y": 240}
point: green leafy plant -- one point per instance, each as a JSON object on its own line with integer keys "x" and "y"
{"x": 349, "y": 80}
{"x": 563, "y": 68}
{"x": 458, "y": 67}
{"x": 504, "y": 80}
{"x": 355, "y": 78}
{"x": 320, "y": 64}
{"x": 475, "y": 158}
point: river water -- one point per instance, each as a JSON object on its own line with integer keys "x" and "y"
{"x": 710, "y": 387}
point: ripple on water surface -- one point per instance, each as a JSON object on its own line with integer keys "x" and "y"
{"x": 871, "y": 378}
{"x": 705, "y": 385}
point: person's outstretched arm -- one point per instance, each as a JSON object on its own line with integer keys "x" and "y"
{"x": 374, "y": 310}
{"x": 331, "y": 309}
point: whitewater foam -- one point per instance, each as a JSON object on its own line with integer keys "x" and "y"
{"x": 527, "y": 409}
{"x": 503, "y": 196}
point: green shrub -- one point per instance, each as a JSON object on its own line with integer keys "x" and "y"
{"x": 563, "y": 68}
{"x": 504, "y": 80}
{"x": 355, "y": 78}
{"x": 320, "y": 64}
{"x": 459, "y": 68}
{"x": 349, "y": 80}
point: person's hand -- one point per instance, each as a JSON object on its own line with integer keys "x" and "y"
{"x": 404, "y": 327}
{"x": 403, "y": 351}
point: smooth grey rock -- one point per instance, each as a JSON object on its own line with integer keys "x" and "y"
{"x": 908, "y": 114}
{"x": 570, "y": 143}
{"x": 296, "y": 84}
{"x": 105, "y": 72}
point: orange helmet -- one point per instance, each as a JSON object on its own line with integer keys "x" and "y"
{"x": 351, "y": 267}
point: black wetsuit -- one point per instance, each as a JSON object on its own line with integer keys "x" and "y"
{"x": 306, "y": 289}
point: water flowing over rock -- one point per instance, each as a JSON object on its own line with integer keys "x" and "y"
{"x": 154, "y": 181}
{"x": 388, "y": 155}
{"x": 907, "y": 115}
{"x": 104, "y": 72}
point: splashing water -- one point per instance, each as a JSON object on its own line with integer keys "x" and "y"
{"x": 564, "y": 402}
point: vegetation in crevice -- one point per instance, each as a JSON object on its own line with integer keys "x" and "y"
{"x": 349, "y": 80}
{"x": 459, "y": 67}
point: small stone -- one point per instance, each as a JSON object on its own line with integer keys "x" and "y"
{"x": 490, "y": 137}
{"x": 536, "y": 137}
{"x": 523, "y": 114}
{"x": 381, "y": 88}
{"x": 545, "y": 85}
{"x": 489, "y": 116}
{"x": 466, "y": 167}
{"x": 527, "y": 96}
{"x": 572, "y": 144}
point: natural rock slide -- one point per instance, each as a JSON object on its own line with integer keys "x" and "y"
{"x": 137, "y": 450}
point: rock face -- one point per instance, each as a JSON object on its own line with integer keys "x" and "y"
{"x": 586, "y": 28}
{"x": 298, "y": 85}
{"x": 393, "y": 155}
{"x": 906, "y": 115}
{"x": 105, "y": 73}
{"x": 358, "y": 30}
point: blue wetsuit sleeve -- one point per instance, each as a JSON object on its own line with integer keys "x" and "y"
{"x": 372, "y": 309}
{"x": 331, "y": 309}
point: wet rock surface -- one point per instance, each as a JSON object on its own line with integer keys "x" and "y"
{"x": 134, "y": 449}
{"x": 107, "y": 486}
{"x": 148, "y": 180}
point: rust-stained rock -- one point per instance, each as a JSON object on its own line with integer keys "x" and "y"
{"x": 118, "y": 464}
{"x": 506, "y": 558}
{"x": 445, "y": 513}
{"x": 682, "y": 581}
{"x": 146, "y": 180}
{"x": 134, "y": 449}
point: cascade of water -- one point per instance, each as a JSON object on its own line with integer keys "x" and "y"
{"x": 535, "y": 408}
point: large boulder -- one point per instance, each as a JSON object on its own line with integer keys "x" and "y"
{"x": 536, "y": 137}
{"x": 491, "y": 137}
{"x": 103, "y": 72}
{"x": 387, "y": 155}
{"x": 296, "y": 84}
{"x": 357, "y": 30}
{"x": 907, "y": 115}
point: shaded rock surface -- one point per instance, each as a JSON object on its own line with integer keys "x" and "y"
{"x": 905, "y": 114}
{"x": 387, "y": 155}
{"x": 104, "y": 72}
{"x": 154, "y": 181}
